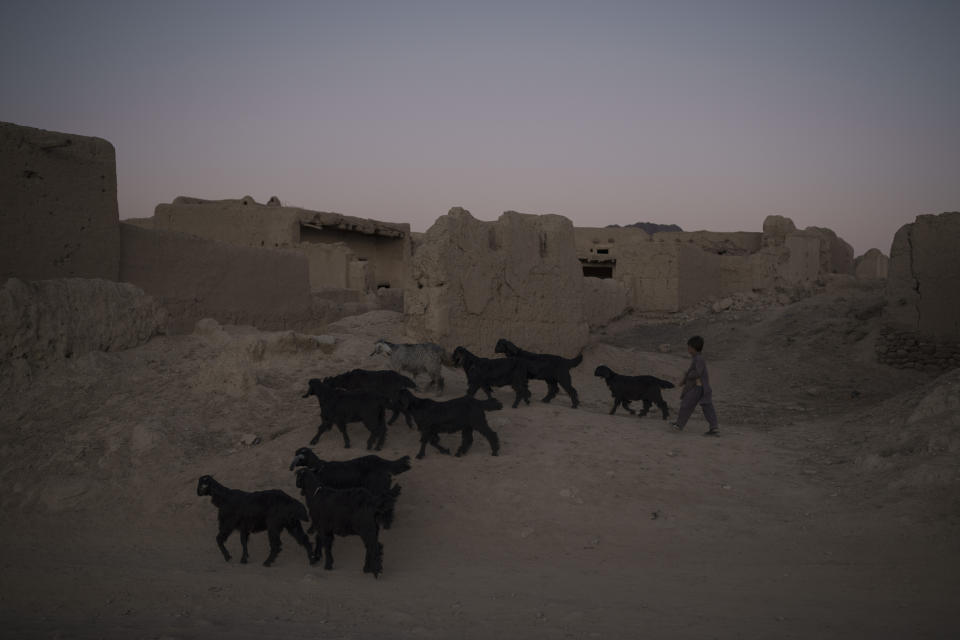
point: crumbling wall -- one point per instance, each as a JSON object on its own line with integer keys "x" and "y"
{"x": 517, "y": 278}
{"x": 923, "y": 301}
{"x": 47, "y": 320}
{"x": 196, "y": 278}
{"x": 872, "y": 265}
{"x": 669, "y": 271}
{"x": 648, "y": 265}
{"x": 242, "y": 222}
{"x": 836, "y": 255}
{"x": 802, "y": 262}
{"x": 604, "y": 300}
{"x": 334, "y": 243}
{"x": 58, "y": 205}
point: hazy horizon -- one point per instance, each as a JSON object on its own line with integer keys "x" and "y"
{"x": 709, "y": 115}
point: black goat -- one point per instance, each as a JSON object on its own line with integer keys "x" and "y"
{"x": 385, "y": 383}
{"x": 270, "y": 511}
{"x": 339, "y": 407}
{"x": 343, "y": 512}
{"x": 554, "y": 370}
{"x": 464, "y": 414}
{"x": 625, "y": 389}
{"x": 373, "y": 473}
{"x": 483, "y": 373}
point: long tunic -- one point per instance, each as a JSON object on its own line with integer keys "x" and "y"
{"x": 697, "y": 376}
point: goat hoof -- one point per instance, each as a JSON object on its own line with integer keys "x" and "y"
{"x": 419, "y": 456}
{"x": 243, "y": 561}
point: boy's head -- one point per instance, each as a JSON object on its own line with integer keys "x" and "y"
{"x": 695, "y": 345}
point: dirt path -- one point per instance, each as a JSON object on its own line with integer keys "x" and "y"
{"x": 586, "y": 526}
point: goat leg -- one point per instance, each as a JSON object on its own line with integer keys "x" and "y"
{"x": 221, "y": 538}
{"x": 244, "y": 536}
{"x": 346, "y": 439}
{"x": 273, "y": 533}
{"x": 466, "y": 440}
{"x": 491, "y": 437}
{"x": 328, "y": 547}
{"x": 552, "y": 390}
{"x": 616, "y": 403}
{"x": 435, "y": 441}
{"x": 296, "y": 530}
{"x": 645, "y": 410}
{"x": 664, "y": 408}
{"x": 424, "y": 438}
{"x": 568, "y": 387}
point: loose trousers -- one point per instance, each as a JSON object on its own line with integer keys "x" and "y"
{"x": 689, "y": 402}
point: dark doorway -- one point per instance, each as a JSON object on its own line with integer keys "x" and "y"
{"x": 597, "y": 271}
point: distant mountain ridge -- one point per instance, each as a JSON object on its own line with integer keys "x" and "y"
{"x": 650, "y": 227}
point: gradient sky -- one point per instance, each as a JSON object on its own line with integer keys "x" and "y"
{"x": 704, "y": 114}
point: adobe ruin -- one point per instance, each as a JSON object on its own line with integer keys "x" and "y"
{"x": 537, "y": 280}
{"x": 58, "y": 205}
{"x": 923, "y": 312}
{"x": 343, "y": 252}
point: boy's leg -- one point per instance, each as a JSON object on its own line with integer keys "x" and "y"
{"x": 711, "y": 415}
{"x": 687, "y": 404}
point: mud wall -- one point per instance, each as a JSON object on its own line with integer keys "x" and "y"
{"x": 388, "y": 256}
{"x": 47, "y": 320}
{"x": 343, "y": 251}
{"x": 669, "y": 271}
{"x": 58, "y": 205}
{"x": 924, "y": 270}
{"x": 474, "y": 282}
{"x": 872, "y": 265}
{"x": 242, "y": 222}
{"x": 604, "y": 300}
{"x": 196, "y": 278}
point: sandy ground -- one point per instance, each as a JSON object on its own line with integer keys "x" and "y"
{"x": 819, "y": 513}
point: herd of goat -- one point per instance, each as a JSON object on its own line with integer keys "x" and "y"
{"x": 358, "y": 497}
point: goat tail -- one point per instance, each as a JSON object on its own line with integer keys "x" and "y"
{"x": 576, "y": 361}
{"x": 396, "y": 467}
{"x": 664, "y": 384}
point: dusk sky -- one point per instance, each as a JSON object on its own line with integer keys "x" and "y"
{"x": 710, "y": 115}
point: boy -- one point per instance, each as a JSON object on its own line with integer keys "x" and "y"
{"x": 695, "y": 389}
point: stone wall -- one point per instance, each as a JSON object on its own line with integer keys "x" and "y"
{"x": 196, "y": 278}
{"x": 907, "y": 349}
{"x": 474, "y": 282}
{"x": 58, "y": 205}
